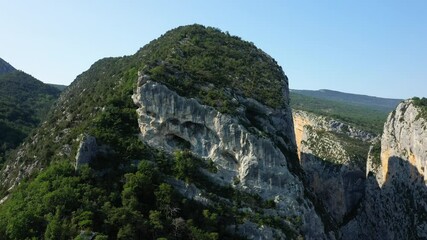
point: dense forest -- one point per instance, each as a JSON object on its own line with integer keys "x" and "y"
{"x": 24, "y": 102}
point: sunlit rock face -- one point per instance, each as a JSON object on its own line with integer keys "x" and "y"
{"x": 254, "y": 149}
{"x": 405, "y": 137}
{"x": 395, "y": 206}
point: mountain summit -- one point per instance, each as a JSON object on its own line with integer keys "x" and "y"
{"x": 191, "y": 137}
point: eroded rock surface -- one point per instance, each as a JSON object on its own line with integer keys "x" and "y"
{"x": 395, "y": 204}
{"x": 405, "y": 137}
{"x": 241, "y": 146}
{"x": 334, "y": 172}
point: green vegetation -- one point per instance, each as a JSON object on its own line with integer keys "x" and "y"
{"x": 127, "y": 191}
{"x": 421, "y": 103}
{"x": 364, "y": 118}
{"x": 57, "y": 86}
{"x": 356, "y": 149}
{"x": 61, "y": 203}
{"x": 24, "y": 102}
{"x": 5, "y": 67}
{"x": 204, "y": 63}
{"x": 381, "y": 104}
{"x": 375, "y": 154}
{"x": 344, "y": 147}
{"x": 130, "y": 203}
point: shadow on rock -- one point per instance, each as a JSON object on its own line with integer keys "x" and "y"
{"x": 395, "y": 210}
{"x": 339, "y": 188}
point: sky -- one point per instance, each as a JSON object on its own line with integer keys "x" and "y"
{"x": 371, "y": 47}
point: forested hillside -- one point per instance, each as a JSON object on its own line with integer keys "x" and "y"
{"x": 131, "y": 190}
{"x": 377, "y": 103}
{"x": 5, "y": 67}
{"x": 366, "y": 117}
{"x": 24, "y": 102}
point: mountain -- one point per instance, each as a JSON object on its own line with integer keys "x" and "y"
{"x": 204, "y": 149}
{"x": 5, "y": 67}
{"x": 380, "y": 104}
{"x": 193, "y": 137}
{"x": 362, "y": 111}
{"x": 24, "y": 102}
{"x": 58, "y": 86}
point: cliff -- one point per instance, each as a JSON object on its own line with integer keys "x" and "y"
{"x": 253, "y": 151}
{"x": 333, "y": 157}
{"x": 395, "y": 205}
{"x": 206, "y": 148}
{"x": 404, "y": 137}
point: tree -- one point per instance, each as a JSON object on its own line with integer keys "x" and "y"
{"x": 185, "y": 166}
{"x": 54, "y": 229}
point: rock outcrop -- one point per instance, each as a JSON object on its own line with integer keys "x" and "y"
{"x": 395, "y": 205}
{"x": 334, "y": 170}
{"x": 87, "y": 151}
{"x": 404, "y": 137}
{"x": 241, "y": 146}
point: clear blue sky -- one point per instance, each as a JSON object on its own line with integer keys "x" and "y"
{"x": 373, "y": 47}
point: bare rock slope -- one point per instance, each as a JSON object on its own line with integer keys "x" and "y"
{"x": 254, "y": 153}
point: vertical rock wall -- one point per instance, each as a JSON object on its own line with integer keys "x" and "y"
{"x": 258, "y": 150}
{"x": 335, "y": 176}
{"x": 395, "y": 204}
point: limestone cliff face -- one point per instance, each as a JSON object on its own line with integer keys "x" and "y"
{"x": 332, "y": 155}
{"x": 395, "y": 205}
{"x": 404, "y": 137}
{"x": 252, "y": 152}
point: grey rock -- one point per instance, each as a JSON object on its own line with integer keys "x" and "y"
{"x": 87, "y": 151}
{"x": 335, "y": 177}
{"x": 395, "y": 203}
{"x": 253, "y": 231}
{"x": 189, "y": 191}
{"x": 404, "y": 136}
{"x": 257, "y": 149}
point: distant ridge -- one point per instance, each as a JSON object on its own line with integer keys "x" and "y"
{"x": 5, "y": 67}
{"x": 380, "y": 104}
{"x": 57, "y": 86}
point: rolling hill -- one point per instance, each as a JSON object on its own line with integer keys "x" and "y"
{"x": 377, "y": 103}
{"x": 366, "y": 112}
